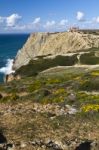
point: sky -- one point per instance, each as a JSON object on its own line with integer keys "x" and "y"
{"x": 26, "y": 16}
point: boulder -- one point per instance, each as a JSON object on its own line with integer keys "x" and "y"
{"x": 1, "y": 96}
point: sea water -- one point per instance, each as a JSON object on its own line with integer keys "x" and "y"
{"x": 9, "y": 45}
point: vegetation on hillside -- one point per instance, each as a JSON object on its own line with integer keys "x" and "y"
{"x": 58, "y": 86}
{"x": 34, "y": 67}
{"x": 37, "y": 108}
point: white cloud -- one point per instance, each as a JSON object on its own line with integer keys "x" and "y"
{"x": 12, "y": 20}
{"x": 35, "y": 25}
{"x": 37, "y": 20}
{"x": 96, "y": 19}
{"x": 2, "y": 19}
{"x": 63, "y": 22}
{"x": 50, "y": 24}
{"x": 80, "y": 16}
{"x": 20, "y": 27}
{"x": 11, "y": 23}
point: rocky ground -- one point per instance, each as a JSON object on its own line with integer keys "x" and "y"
{"x": 30, "y": 126}
{"x": 55, "y": 110}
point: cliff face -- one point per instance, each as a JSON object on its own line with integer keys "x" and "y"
{"x": 54, "y": 43}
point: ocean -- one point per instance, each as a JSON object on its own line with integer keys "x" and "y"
{"x": 9, "y": 45}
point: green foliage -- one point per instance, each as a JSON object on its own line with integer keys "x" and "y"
{"x": 10, "y": 98}
{"x": 55, "y": 87}
{"x": 14, "y": 97}
{"x": 41, "y": 94}
{"x": 89, "y": 59}
{"x": 90, "y": 85}
{"x": 35, "y": 86}
{"x": 84, "y": 97}
{"x": 53, "y": 81}
{"x": 52, "y": 100}
{"x": 36, "y": 66}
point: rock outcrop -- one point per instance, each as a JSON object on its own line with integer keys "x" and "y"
{"x": 11, "y": 77}
{"x": 39, "y": 44}
{"x": 48, "y": 144}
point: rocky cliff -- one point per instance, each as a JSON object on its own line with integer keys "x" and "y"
{"x": 39, "y": 44}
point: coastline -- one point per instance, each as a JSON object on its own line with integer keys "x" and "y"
{"x": 9, "y": 46}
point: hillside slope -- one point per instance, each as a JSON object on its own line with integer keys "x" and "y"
{"x": 55, "y": 110}
{"x": 40, "y": 44}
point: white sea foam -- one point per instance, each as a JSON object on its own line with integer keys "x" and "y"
{"x": 8, "y": 67}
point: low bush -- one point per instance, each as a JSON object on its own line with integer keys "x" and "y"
{"x": 89, "y": 59}
{"x": 9, "y": 98}
{"x": 36, "y": 66}
{"x": 34, "y": 86}
{"x": 89, "y": 85}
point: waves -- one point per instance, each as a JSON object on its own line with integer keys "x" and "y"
{"x": 9, "y": 45}
{"x": 7, "y": 69}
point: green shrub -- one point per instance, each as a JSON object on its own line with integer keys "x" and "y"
{"x": 51, "y": 100}
{"x": 89, "y": 85}
{"x": 14, "y": 97}
{"x": 36, "y": 66}
{"x": 41, "y": 94}
{"x": 9, "y": 98}
{"x": 89, "y": 59}
{"x": 34, "y": 86}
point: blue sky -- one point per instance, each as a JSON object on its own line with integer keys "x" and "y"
{"x": 47, "y": 15}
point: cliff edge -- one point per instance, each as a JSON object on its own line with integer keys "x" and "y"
{"x": 39, "y": 44}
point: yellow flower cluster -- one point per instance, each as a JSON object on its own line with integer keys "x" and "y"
{"x": 60, "y": 91}
{"x": 95, "y": 73}
{"x": 53, "y": 81}
{"x": 91, "y": 107}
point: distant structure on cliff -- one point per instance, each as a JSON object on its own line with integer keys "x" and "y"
{"x": 87, "y": 31}
{"x": 73, "y": 29}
